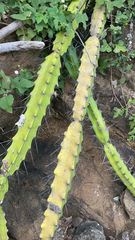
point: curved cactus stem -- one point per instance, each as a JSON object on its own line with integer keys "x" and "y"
{"x": 3, "y": 228}
{"x": 119, "y": 167}
{"x": 64, "y": 172}
{"x": 102, "y": 134}
{"x": 98, "y": 123}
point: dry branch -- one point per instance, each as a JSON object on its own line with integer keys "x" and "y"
{"x": 20, "y": 46}
{"x": 4, "y": 32}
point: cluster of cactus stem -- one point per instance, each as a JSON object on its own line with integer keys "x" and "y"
{"x": 71, "y": 145}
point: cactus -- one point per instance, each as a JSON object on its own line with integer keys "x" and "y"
{"x": 71, "y": 145}
{"x": 102, "y": 134}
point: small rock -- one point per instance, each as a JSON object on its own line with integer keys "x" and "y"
{"x": 89, "y": 230}
{"x": 76, "y": 221}
{"x": 128, "y": 202}
{"x": 128, "y": 235}
{"x": 130, "y": 78}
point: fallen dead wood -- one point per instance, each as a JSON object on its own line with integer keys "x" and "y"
{"x": 5, "y": 31}
{"x": 20, "y": 46}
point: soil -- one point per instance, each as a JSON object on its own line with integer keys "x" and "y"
{"x": 95, "y": 188}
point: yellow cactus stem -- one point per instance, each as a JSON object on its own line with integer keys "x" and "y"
{"x": 64, "y": 172}
{"x": 98, "y": 20}
{"x": 87, "y": 71}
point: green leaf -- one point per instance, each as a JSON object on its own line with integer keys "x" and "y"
{"x": 40, "y": 26}
{"x": 132, "y": 123}
{"x": 61, "y": 17}
{"x": 56, "y": 24}
{"x": 118, "y": 112}
{"x": 116, "y": 30}
{"x": 103, "y": 34}
{"x": 19, "y": 32}
{"x": 130, "y": 3}
{"x": 39, "y": 17}
{"x": 52, "y": 11}
{"x": 128, "y": 67}
{"x": 100, "y": 2}
{"x": 2, "y": 91}
{"x": 120, "y": 17}
{"x": 61, "y": 83}
{"x": 81, "y": 18}
{"x": 6, "y": 103}
{"x": 2, "y": 9}
{"x": 35, "y": 3}
{"x": 37, "y": 38}
{"x": 31, "y": 33}
{"x": 122, "y": 81}
{"x": 131, "y": 101}
{"x": 5, "y": 81}
{"x": 21, "y": 84}
{"x": 25, "y": 74}
{"x": 50, "y": 33}
{"x": 118, "y": 3}
{"x": 71, "y": 61}
{"x": 119, "y": 47}
{"x": 110, "y": 6}
{"x": 104, "y": 64}
{"x": 22, "y": 16}
{"x": 105, "y": 47}
{"x": 132, "y": 132}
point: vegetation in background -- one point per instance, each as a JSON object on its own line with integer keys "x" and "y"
{"x": 41, "y": 17}
{"x": 121, "y": 53}
{"x": 20, "y": 84}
